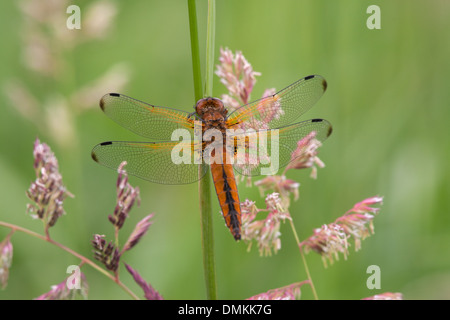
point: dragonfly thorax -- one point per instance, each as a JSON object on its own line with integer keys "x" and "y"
{"x": 211, "y": 110}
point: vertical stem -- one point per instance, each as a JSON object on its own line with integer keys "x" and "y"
{"x": 205, "y": 183}
{"x": 210, "y": 36}
{"x": 209, "y": 267}
{"x": 304, "y": 261}
{"x": 195, "y": 51}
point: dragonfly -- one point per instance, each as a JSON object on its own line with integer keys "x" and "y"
{"x": 271, "y": 117}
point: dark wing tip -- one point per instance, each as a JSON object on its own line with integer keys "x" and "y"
{"x": 324, "y": 82}
{"x": 102, "y": 100}
{"x": 94, "y": 156}
{"x": 324, "y": 85}
{"x": 330, "y": 131}
{"x": 330, "y": 128}
{"x": 102, "y": 103}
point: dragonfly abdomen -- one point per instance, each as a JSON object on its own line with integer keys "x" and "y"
{"x": 228, "y": 196}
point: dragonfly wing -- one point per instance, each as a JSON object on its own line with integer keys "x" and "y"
{"x": 274, "y": 149}
{"x": 280, "y": 109}
{"x": 155, "y": 162}
{"x": 146, "y": 120}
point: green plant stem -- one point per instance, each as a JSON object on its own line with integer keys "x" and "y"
{"x": 204, "y": 183}
{"x": 210, "y": 37}
{"x": 304, "y": 261}
{"x": 195, "y": 51}
{"x": 207, "y": 236}
{"x": 76, "y": 254}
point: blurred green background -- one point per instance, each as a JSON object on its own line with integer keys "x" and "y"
{"x": 388, "y": 100}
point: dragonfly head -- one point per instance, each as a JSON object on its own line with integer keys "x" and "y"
{"x": 210, "y": 109}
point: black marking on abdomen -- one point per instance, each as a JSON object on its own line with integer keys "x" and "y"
{"x": 231, "y": 207}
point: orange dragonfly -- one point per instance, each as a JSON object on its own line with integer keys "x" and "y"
{"x": 269, "y": 117}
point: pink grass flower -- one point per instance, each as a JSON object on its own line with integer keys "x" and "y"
{"x": 127, "y": 196}
{"x": 305, "y": 156}
{"x": 328, "y": 241}
{"x": 6, "y": 256}
{"x": 149, "y": 292}
{"x": 266, "y": 232}
{"x": 250, "y": 227}
{"x": 364, "y": 206}
{"x": 386, "y": 296}
{"x": 332, "y": 239}
{"x": 359, "y": 225}
{"x": 281, "y": 185}
{"x": 62, "y": 292}
{"x": 139, "y": 231}
{"x": 48, "y": 191}
{"x": 238, "y": 76}
{"x": 107, "y": 254}
{"x": 289, "y": 292}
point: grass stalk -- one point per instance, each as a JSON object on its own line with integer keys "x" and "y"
{"x": 205, "y": 183}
